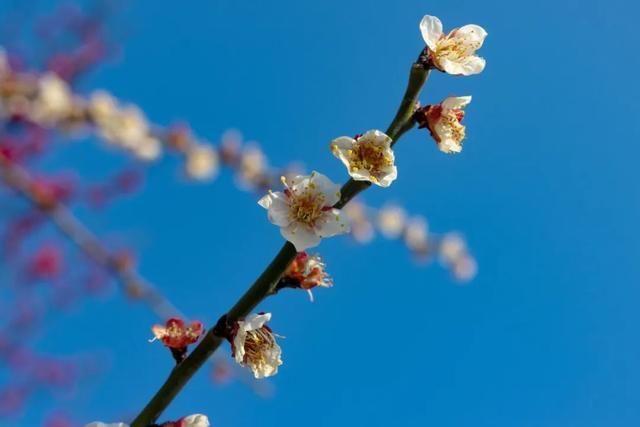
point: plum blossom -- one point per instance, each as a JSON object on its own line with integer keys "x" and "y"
{"x": 201, "y": 162}
{"x": 444, "y": 122}
{"x": 306, "y": 272}
{"x": 304, "y": 211}
{"x": 54, "y": 101}
{"x": 177, "y": 336}
{"x": 368, "y": 157}
{"x": 254, "y": 345}
{"x": 391, "y": 221}
{"x": 453, "y": 53}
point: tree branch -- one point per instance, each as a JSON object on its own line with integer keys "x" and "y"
{"x": 264, "y": 284}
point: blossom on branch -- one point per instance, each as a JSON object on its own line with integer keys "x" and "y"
{"x": 177, "y": 336}
{"x": 444, "y": 122}
{"x": 453, "y": 53}
{"x": 253, "y": 345}
{"x": 306, "y": 272}
{"x": 304, "y": 211}
{"x": 368, "y": 157}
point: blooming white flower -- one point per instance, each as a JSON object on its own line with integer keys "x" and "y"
{"x": 453, "y": 53}
{"x": 443, "y": 121}
{"x": 54, "y": 101}
{"x": 304, "y": 211}
{"x": 254, "y": 345}
{"x": 195, "y": 420}
{"x": 368, "y": 157}
{"x": 201, "y": 162}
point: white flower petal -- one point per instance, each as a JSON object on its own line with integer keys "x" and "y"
{"x": 278, "y": 212}
{"x": 333, "y": 223}
{"x": 254, "y": 321}
{"x": 195, "y": 420}
{"x": 455, "y": 102}
{"x": 472, "y": 34}
{"x": 389, "y": 176}
{"x": 472, "y": 65}
{"x": 451, "y": 67}
{"x": 324, "y": 185}
{"x": 301, "y": 236}
{"x": 343, "y": 142}
{"x": 431, "y": 29}
{"x": 266, "y": 200}
{"x": 450, "y": 146}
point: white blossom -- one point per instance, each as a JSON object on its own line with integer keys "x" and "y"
{"x": 368, "y": 157}
{"x": 201, "y": 162}
{"x": 416, "y": 235}
{"x": 454, "y": 53}
{"x": 304, "y": 211}
{"x": 391, "y": 221}
{"x": 195, "y": 420}
{"x": 444, "y": 123}
{"x": 54, "y": 100}
{"x": 254, "y": 346}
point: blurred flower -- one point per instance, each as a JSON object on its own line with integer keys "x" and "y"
{"x": 465, "y": 268}
{"x": 201, "y": 162}
{"x": 362, "y": 229}
{"x": 391, "y": 221}
{"x": 452, "y": 246}
{"x": 177, "y": 336}
{"x": 416, "y": 235}
{"x": 54, "y": 101}
{"x": 126, "y": 126}
{"x": 368, "y": 157}
{"x": 253, "y": 345}
{"x": 253, "y": 166}
{"x": 5, "y": 67}
{"x": 453, "y": 53}
{"x": 304, "y": 211}
{"x": 306, "y": 272}
{"x": 47, "y": 262}
{"x": 443, "y": 121}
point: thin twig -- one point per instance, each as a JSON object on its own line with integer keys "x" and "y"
{"x": 19, "y": 179}
{"x": 264, "y": 284}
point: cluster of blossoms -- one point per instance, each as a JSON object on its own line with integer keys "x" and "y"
{"x": 394, "y": 223}
{"x": 48, "y": 101}
{"x": 195, "y": 420}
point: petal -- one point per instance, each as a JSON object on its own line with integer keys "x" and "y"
{"x": 325, "y": 186}
{"x": 279, "y": 210}
{"x": 266, "y": 201}
{"x": 360, "y": 175}
{"x": 255, "y": 321}
{"x": 343, "y": 143}
{"x": 195, "y": 420}
{"x": 451, "y": 67}
{"x": 472, "y": 34}
{"x": 379, "y": 137}
{"x": 332, "y": 223}
{"x": 299, "y": 182}
{"x": 450, "y": 146}
{"x": 455, "y": 102}
{"x": 472, "y": 65}
{"x": 431, "y": 29}
{"x": 238, "y": 343}
{"x": 388, "y": 177}
{"x": 301, "y": 236}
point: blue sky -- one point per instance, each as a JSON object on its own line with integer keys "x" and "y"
{"x": 545, "y": 191}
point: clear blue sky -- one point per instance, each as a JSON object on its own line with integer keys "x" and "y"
{"x": 545, "y": 192}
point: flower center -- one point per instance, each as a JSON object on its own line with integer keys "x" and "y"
{"x": 451, "y": 120}
{"x": 455, "y": 49}
{"x": 369, "y": 156}
{"x": 306, "y": 207}
{"x": 257, "y": 345}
